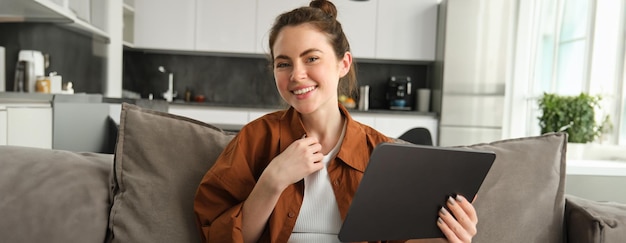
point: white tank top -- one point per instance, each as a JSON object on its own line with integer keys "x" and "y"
{"x": 319, "y": 219}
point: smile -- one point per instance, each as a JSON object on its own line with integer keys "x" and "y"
{"x": 304, "y": 91}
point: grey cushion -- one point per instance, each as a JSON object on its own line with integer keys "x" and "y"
{"x": 53, "y": 195}
{"x": 590, "y": 221}
{"x": 522, "y": 197}
{"x": 160, "y": 160}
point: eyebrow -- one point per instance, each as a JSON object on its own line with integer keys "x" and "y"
{"x": 304, "y": 53}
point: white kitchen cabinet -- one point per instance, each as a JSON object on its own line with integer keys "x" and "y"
{"x": 81, "y": 9}
{"x": 392, "y": 125}
{"x": 458, "y": 136}
{"x": 365, "y": 119}
{"x": 255, "y": 114}
{"x": 406, "y": 29}
{"x": 226, "y": 26}
{"x": 358, "y": 19}
{"x": 29, "y": 126}
{"x": 128, "y": 24}
{"x": 267, "y": 11}
{"x": 3, "y": 127}
{"x": 395, "y": 125}
{"x": 212, "y": 115}
{"x": 165, "y": 24}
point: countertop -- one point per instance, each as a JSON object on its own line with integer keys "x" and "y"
{"x": 17, "y": 97}
{"x": 162, "y": 105}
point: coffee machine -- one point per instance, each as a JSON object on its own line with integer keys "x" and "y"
{"x": 30, "y": 65}
{"x": 399, "y": 93}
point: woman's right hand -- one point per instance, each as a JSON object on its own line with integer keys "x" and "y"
{"x": 300, "y": 159}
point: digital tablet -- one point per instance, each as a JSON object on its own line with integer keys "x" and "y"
{"x": 405, "y": 185}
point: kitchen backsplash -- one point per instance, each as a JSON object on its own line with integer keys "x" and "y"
{"x": 244, "y": 81}
{"x": 76, "y": 57}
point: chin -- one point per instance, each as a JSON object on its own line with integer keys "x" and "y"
{"x": 304, "y": 108}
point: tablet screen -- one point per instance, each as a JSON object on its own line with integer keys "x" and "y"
{"x": 405, "y": 185}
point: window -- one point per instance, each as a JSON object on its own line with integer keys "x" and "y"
{"x": 580, "y": 48}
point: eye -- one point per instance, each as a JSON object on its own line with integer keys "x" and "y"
{"x": 282, "y": 65}
{"x": 312, "y": 59}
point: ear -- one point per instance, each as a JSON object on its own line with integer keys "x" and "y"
{"x": 344, "y": 64}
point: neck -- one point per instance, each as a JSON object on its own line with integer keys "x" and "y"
{"x": 326, "y": 126}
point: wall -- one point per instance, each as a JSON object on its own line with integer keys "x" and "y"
{"x": 77, "y": 57}
{"x": 244, "y": 81}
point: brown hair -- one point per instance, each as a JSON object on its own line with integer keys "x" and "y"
{"x": 322, "y": 14}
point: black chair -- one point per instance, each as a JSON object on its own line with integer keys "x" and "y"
{"x": 418, "y": 135}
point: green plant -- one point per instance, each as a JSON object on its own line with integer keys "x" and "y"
{"x": 574, "y": 115}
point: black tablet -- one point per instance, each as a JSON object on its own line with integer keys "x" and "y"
{"x": 405, "y": 185}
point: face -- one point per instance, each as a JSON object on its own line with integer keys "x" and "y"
{"x": 306, "y": 68}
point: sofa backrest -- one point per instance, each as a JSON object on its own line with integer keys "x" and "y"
{"x": 53, "y": 195}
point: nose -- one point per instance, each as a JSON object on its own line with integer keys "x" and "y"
{"x": 298, "y": 72}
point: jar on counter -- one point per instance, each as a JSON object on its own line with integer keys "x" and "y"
{"x": 42, "y": 85}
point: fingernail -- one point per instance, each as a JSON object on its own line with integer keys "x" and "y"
{"x": 443, "y": 211}
{"x": 459, "y": 198}
{"x": 451, "y": 201}
{"x": 439, "y": 220}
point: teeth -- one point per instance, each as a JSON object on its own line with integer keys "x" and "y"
{"x": 304, "y": 91}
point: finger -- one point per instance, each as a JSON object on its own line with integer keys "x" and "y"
{"x": 445, "y": 229}
{"x": 457, "y": 229}
{"x": 468, "y": 208}
{"x": 458, "y": 207}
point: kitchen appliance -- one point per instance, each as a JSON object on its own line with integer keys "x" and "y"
{"x": 473, "y": 69}
{"x": 364, "y": 97}
{"x": 2, "y": 69}
{"x": 30, "y": 65}
{"x": 399, "y": 93}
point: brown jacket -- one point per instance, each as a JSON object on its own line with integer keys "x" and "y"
{"x": 228, "y": 183}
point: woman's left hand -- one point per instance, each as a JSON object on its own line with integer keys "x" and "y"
{"x": 462, "y": 226}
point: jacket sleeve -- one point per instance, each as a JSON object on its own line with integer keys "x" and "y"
{"x": 220, "y": 195}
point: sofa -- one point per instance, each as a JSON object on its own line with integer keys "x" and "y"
{"x": 144, "y": 192}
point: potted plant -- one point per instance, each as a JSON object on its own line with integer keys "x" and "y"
{"x": 572, "y": 114}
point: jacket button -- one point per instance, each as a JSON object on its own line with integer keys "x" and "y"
{"x": 291, "y": 214}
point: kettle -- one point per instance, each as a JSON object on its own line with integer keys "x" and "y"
{"x": 30, "y": 65}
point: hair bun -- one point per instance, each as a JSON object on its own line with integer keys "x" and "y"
{"x": 326, "y": 6}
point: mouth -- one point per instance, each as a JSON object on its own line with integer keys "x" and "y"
{"x": 304, "y": 90}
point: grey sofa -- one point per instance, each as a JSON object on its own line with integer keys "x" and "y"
{"x": 144, "y": 193}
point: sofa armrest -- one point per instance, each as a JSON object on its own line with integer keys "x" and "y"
{"x": 592, "y": 221}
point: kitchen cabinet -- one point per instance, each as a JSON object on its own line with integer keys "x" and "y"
{"x": 84, "y": 16}
{"x": 26, "y": 125}
{"x": 3, "y": 127}
{"x": 358, "y": 20}
{"x": 225, "y": 26}
{"x": 406, "y": 29}
{"x": 267, "y": 11}
{"x": 392, "y": 125}
{"x": 211, "y": 115}
{"x": 395, "y": 30}
{"x": 128, "y": 24}
{"x": 165, "y": 24}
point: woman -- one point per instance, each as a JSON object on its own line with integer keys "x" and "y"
{"x": 291, "y": 175}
